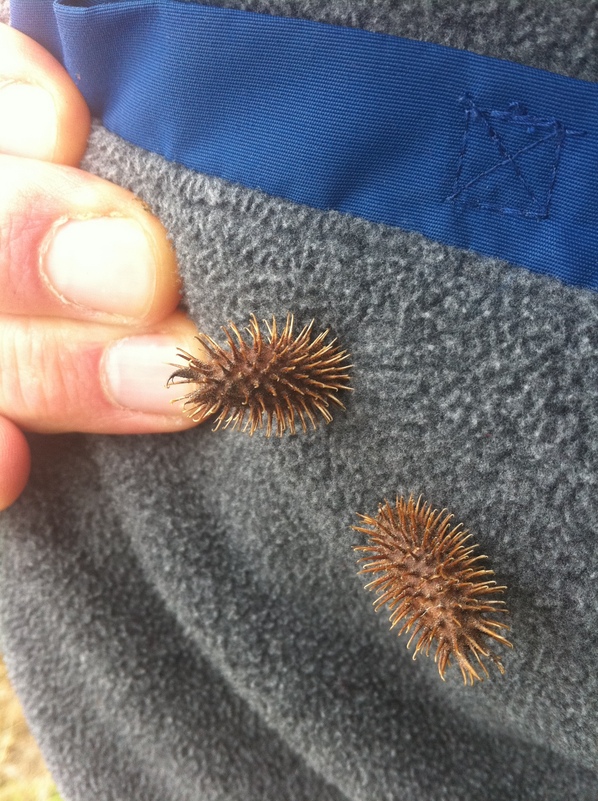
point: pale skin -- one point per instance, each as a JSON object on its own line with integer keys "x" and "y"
{"x": 89, "y": 286}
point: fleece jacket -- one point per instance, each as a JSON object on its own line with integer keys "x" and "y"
{"x": 181, "y": 614}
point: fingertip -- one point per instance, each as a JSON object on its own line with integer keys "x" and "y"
{"x": 74, "y": 122}
{"x": 15, "y": 462}
{"x": 42, "y": 113}
{"x": 136, "y": 372}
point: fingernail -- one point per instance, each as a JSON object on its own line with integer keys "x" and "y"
{"x": 28, "y": 123}
{"x": 135, "y": 372}
{"x": 103, "y": 263}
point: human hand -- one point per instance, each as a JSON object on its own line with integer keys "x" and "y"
{"x": 88, "y": 280}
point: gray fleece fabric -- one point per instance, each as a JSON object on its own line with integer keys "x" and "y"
{"x": 181, "y": 614}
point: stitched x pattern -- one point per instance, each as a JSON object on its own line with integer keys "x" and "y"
{"x": 509, "y": 160}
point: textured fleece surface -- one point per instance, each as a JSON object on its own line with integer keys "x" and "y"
{"x": 181, "y": 613}
{"x": 551, "y": 35}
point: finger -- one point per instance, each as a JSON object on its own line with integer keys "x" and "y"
{"x": 15, "y": 462}
{"x": 75, "y": 245}
{"x": 59, "y": 376}
{"x": 42, "y": 113}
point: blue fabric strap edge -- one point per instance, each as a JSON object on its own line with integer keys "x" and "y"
{"x": 471, "y": 151}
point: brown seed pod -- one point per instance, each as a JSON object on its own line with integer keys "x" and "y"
{"x": 292, "y": 378}
{"x": 429, "y": 579}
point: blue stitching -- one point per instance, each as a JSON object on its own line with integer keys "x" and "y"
{"x": 516, "y": 114}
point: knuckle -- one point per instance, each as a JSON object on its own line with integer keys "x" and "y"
{"x": 34, "y": 374}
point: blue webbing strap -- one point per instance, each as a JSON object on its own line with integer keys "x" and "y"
{"x": 471, "y": 151}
